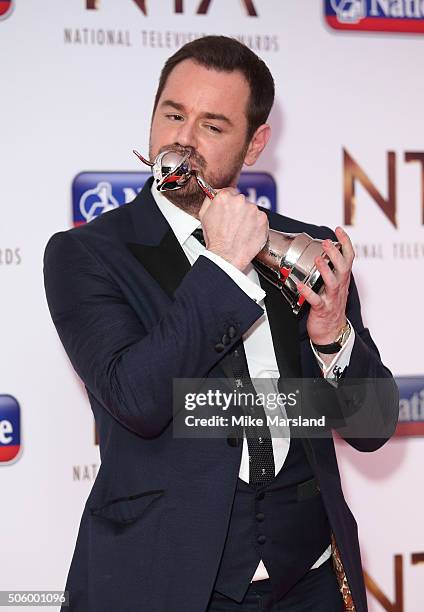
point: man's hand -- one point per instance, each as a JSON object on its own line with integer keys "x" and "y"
{"x": 234, "y": 228}
{"x": 328, "y": 311}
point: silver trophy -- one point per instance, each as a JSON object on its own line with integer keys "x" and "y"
{"x": 284, "y": 260}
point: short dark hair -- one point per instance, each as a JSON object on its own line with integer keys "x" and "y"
{"x": 228, "y": 54}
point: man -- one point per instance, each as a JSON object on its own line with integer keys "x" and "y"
{"x": 189, "y": 525}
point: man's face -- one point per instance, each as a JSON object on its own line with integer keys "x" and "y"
{"x": 204, "y": 110}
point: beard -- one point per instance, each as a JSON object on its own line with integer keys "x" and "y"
{"x": 190, "y": 196}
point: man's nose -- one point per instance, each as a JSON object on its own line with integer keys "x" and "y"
{"x": 186, "y": 134}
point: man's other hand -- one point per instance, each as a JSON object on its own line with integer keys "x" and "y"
{"x": 327, "y": 315}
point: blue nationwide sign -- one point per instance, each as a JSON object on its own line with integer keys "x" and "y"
{"x": 411, "y": 406}
{"x": 94, "y": 193}
{"x": 10, "y": 429}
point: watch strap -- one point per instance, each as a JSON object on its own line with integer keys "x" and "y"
{"x": 327, "y": 349}
{"x": 337, "y": 345}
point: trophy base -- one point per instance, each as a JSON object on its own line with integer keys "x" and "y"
{"x": 296, "y": 265}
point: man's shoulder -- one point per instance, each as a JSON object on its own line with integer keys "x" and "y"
{"x": 102, "y": 236}
{"x": 110, "y": 221}
{"x": 282, "y": 223}
{"x": 113, "y": 223}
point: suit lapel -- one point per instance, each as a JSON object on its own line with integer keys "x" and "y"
{"x": 165, "y": 262}
{"x": 155, "y": 245}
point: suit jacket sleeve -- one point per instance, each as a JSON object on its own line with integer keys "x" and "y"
{"x": 364, "y": 408}
{"x": 126, "y": 366}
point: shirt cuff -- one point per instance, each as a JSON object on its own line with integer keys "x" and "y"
{"x": 334, "y": 371}
{"x": 254, "y": 291}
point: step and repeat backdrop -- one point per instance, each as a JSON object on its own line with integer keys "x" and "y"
{"x": 78, "y": 78}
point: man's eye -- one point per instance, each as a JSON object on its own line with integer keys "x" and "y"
{"x": 174, "y": 117}
{"x": 213, "y": 128}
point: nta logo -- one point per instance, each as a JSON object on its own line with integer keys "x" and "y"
{"x": 202, "y": 8}
{"x": 6, "y": 7}
{"x": 353, "y": 173}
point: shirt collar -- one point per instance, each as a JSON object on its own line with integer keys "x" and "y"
{"x": 182, "y": 224}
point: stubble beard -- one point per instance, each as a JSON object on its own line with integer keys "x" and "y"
{"x": 190, "y": 197}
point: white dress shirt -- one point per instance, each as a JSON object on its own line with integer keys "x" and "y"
{"x": 257, "y": 340}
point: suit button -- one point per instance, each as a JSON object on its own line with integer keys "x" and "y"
{"x": 219, "y": 347}
{"x": 260, "y": 495}
{"x": 261, "y": 539}
{"x": 233, "y": 441}
{"x": 225, "y": 340}
{"x": 231, "y": 331}
{"x": 260, "y": 516}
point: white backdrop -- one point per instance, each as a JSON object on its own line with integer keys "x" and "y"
{"x": 70, "y": 104}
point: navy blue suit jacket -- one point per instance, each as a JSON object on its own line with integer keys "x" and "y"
{"x": 132, "y": 315}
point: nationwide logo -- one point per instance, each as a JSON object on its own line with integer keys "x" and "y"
{"x": 10, "y": 429}
{"x": 6, "y": 7}
{"x": 94, "y": 193}
{"x": 376, "y": 15}
{"x": 411, "y": 406}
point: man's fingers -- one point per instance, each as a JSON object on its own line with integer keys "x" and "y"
{"x": 341, "y": 260}
{"x": 340, "y": 264}
{"x": 347, "y": 246}
{"x": 329, "y": 278}
{"x": 310, "y": 296}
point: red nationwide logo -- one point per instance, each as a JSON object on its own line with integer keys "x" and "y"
{"x": 376, "y": 15}
{"x": 6, "y": 7}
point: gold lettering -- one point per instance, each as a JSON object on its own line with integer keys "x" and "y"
{"x": 382, "y": 599}
{"x": 417, "y": 558}
{"x": 248, "y": 5}
{"x": 95, "y": 4}
{"x": 352, "y": 172}
{"x": 419, "y": 157}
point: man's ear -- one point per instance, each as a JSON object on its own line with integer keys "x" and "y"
{"x": 257, "y": 144}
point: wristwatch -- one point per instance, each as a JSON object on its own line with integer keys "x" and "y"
{"x": 339, "y": 342}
